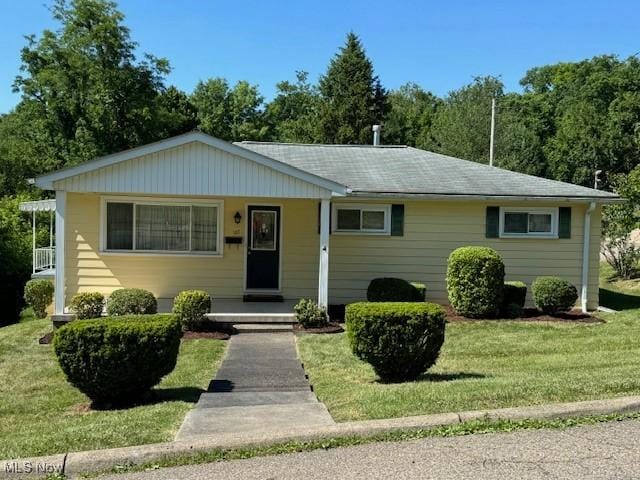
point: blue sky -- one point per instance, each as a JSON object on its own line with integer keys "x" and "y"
{"x": 439, "y": 45}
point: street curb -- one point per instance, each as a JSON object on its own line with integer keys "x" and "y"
{"x": 75, "y": 463}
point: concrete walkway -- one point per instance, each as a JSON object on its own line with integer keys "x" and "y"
{"x": 608, "y": 450}
{"x": 260, "y": 386}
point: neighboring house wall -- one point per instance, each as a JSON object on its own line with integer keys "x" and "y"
{"x": 433, "y": 229}
{"x": 88, "y": 269}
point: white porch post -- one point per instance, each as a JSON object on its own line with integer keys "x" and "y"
{"x": 323, "y": 281}
{"x": 61, "y": 204}
{"x": 33, "y": 241}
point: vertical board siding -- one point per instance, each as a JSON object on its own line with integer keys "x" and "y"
{"x": 433, "y": 230}
{"x": 192, "y": 169}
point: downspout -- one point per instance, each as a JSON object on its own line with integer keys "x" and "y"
{"x": 586, "y": 240}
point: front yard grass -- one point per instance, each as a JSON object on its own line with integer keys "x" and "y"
{"x": 485, "y": 364}
{"x": 40, "y": 413}
{"x": 616, "y": 293}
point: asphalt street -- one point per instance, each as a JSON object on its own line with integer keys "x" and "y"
{"x": 607, "y": 450}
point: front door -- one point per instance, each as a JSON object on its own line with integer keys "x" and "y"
{"x": 263, "y": 248}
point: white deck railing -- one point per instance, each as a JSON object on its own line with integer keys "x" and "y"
{"x": 44, "y": 258}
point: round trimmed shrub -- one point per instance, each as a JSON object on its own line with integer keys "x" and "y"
{"x": 38, "y": 294}
{"x": 190, "y": 306}
{"x": 400, "y": 340}
{"x": 132, "y": 301}
{"x": 309, "y": 314}
{"x": 87, "y": 305}
{"x": 553, "y": 294}
{"x": 119, "y": 359}
{"x": 514, "y": 292}
{"x": 475, "y": 281}
{"x": 389, "y": 289}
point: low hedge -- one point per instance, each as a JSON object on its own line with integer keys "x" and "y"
{"x": 309, "y": 314}
{"x": 38, "y": 294}
{"x": 132, "y": 301}
{"x": 400, "y": 340}
{"x": 553, "y": 294}
{"x": 116, "y": 360}
{"x": 389, "y": 289}
{"x": 190, "y": 306}
{"x": 87, "y": 305}
{"x": 475, "y": 281}
{"x": 514, "y": 293}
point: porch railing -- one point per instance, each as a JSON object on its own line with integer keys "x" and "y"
{"x": 44, "y": 258}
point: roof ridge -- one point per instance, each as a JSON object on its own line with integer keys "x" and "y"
{"x": 255, "y": 142}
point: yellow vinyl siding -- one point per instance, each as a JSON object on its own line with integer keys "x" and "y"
{"x": 432, "y": 230}
{"x": 87, "y": 269}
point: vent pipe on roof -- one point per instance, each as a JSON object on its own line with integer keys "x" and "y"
{"x": 376, "y": 134}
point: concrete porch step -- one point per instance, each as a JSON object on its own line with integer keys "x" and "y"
{"x": 262, "y": 327}
{"x": 254, "y": 318}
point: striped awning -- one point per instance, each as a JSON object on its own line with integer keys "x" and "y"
{"x": 38, "y": 206}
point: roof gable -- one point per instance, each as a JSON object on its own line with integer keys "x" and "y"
{"x": 193, "y": 163}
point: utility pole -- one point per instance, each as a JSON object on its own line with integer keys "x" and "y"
{"x": 493, "y": 129}
{"x": 596, "y": 178}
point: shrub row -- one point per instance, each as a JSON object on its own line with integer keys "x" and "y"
{"x": 189, "y": 306}
{"x": 476, "y": 287}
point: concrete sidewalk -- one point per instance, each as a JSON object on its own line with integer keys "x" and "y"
{"x": 76, "y": 463}
{"x": 260, "y": 387}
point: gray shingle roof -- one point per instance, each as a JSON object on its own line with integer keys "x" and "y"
{"x": 406, "y": 170}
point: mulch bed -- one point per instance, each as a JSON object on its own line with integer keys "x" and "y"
{"x": 47, "y": 339}
{"x": 531, "y": 315}
{"x": 212, "y": 335}
{"x": 330, "y": 328}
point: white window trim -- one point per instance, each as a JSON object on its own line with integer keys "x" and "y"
{"x": 534, "y": 210}
{"x": 375, "y": 207}
{"x": 172, "y": 202}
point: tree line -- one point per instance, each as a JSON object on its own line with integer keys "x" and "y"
{"x": 85, "y": 93}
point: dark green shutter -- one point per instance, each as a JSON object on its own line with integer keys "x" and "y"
{"x": 397, "y": 220}
{"x": 493, "y": 222}
{"x": 564, "y": 222}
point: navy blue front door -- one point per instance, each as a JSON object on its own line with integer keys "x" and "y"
{"x": 263, "y": 247}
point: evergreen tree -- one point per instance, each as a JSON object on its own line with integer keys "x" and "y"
{"x": 352, "y": 97}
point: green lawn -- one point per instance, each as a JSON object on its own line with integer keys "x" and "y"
{"x": 40, "y": 413}
{"x": 485, "y": 364}
{"x": 616, "y": 293}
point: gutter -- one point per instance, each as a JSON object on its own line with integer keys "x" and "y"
{"x": 489, "y": 198}
{"x": 586, "y": 240}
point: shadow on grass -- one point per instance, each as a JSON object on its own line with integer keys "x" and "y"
{"x": 449, "y": 377}
{"x": 155, "y": 396}
{"x": 618, "y": 300}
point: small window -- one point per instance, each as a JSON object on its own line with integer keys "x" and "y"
{"x": 530, "y": 222}
{"x": 363, "y": 219}
{"x": 161, "y": 227}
